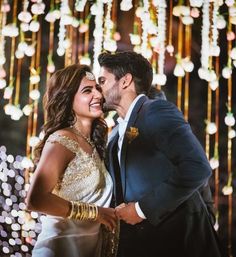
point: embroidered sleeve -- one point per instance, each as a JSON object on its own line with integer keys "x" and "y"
{"x": 65, "y": 141}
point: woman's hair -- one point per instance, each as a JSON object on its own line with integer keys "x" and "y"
{"x": 58, "y": 103}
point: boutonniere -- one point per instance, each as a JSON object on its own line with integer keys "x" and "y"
{"x": 131, "y": 134}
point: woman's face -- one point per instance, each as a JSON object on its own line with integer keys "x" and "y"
{"x": 88, "y": 100}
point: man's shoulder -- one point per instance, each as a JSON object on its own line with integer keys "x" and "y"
{"x": 159, "y": 104}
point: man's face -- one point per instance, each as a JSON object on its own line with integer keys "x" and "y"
{"x": 110, "y": 88}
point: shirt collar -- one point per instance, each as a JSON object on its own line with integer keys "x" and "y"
{"x": 127, "y": 116}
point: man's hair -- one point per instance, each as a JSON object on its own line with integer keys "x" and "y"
{"x": 121, "y": 63}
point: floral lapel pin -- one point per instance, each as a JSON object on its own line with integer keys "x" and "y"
{"x": 131, "y": 134}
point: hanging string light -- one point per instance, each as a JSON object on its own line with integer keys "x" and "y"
{"x": 161, "y": 6}
{"x": 97, "y": 10}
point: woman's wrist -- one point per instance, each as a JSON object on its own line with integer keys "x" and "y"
{"x": 83, "y": 211}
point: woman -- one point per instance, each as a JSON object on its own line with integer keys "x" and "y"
{"x": 70, "y": 184}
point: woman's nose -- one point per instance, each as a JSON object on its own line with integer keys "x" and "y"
{"x": 98, "y": 94}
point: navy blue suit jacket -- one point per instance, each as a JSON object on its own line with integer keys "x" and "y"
{"x": 164, "y": 165}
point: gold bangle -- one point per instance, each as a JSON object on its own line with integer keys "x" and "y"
{"x": 83, "y": 211}
{"x": 72, "y": 207}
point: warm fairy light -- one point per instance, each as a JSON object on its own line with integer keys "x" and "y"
{"x": 179, "y": 70}
{"x": 214, "y": 163}
{"x": 15, "y": 225}
{"x": 196, "y": 3}
{"x": 27, "y": 163}
{"x": 211, "y": 128}
{"x": 214, "y": 84}
{"x": 79, "y": 5}
{"x": 34, "y": 94}
{"x": 159, "y": 79}
{"x": 30, "y": 50}
{"x": 85, "y": 60}
{"x": 3, "y": 83}
{"x": 229, "y": 119}
{"x": 16, "y": 113}
{"x": 41, "y": 135}
{"x": 25, "y": 16}
{"x": 232, "y": 133}
{"x": 8, "y": 92}
{"x": 194, "y": 12}
{"x": 126, "y": 5}
{"x": 34, "y": 79}
{"x": 135, "y": 39}
{"x": 34, "y": 141}
{"x": 227, "y": 190}
{"x": 10, "y": 30}
{"x": 34, "y": 26}
{"x": 27, "y": 110}
{"x": 187, "y": 20}
{"x": 227, "y": 72}
{"x": 233, "y": 53}
{"x": 38, "y": 8}
{"x": 221, "y": 22}
{"x": 187, "y": 64}
{"x": 24, "y": 27}
{"x": 52, "y": 16}
{"x": 97, "y": 10}
{"x": 181, "y": 10}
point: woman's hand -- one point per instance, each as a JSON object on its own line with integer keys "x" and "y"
{"x": 107, "y": 217}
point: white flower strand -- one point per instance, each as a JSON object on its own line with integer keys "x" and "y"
{"x": 126, "y": 5}
{"x": 203, "y": 71}
{"x": 65, "y": 20}
{"x": 97, "y": 10}
{"x": 109, "y": 44}
{"x": 2, "y": 40}
{"x": 214, "y": 48}
{"x": 79, "y": 5}
{"x": 145, "y": 18}
{"x": 205, "y": 35}
{"x": 161, "y": 11}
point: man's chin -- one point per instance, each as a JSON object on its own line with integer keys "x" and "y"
{"x": 106, "y": 107}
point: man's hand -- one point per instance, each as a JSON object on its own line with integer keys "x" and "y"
{"x": 127, "y": 213}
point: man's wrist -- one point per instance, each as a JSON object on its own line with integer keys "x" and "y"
{"x": 139, "y": 211}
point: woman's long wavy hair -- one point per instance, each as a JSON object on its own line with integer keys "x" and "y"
{"x": 58, "y": 102}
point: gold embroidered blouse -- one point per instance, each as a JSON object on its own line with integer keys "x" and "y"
{"x": 85, "y": 178}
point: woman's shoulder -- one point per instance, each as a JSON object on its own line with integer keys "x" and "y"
{"x": 64, "y": 137}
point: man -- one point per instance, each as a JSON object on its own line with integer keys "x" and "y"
{"x": 157, "y": 165}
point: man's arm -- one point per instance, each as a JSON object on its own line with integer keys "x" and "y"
{"x": 174, "y": 138}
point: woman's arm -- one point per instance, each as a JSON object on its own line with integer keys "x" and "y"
{"x": 51, "y": 167}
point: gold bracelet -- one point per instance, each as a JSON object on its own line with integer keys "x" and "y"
{"x": 72, "y": 207}
{"x": 83, "y": 211}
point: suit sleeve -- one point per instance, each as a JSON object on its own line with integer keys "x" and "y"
{"x": 173, "y": 137}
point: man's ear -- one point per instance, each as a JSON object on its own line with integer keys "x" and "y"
{"x": 126, "y": 80}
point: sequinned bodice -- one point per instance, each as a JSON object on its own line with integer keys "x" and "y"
{"x": 85, "y": 178}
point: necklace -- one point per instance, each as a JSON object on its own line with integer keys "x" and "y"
{"x": 79, "y": 133}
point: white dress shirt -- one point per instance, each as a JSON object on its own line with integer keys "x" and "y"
{"x": 122, "y": 128}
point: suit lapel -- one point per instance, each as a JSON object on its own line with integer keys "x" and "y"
{"x": 131, "y": 123}
{"x": 111, "y": 151}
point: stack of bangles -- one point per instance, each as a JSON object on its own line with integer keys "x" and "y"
{"x": 83, "y": 211}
